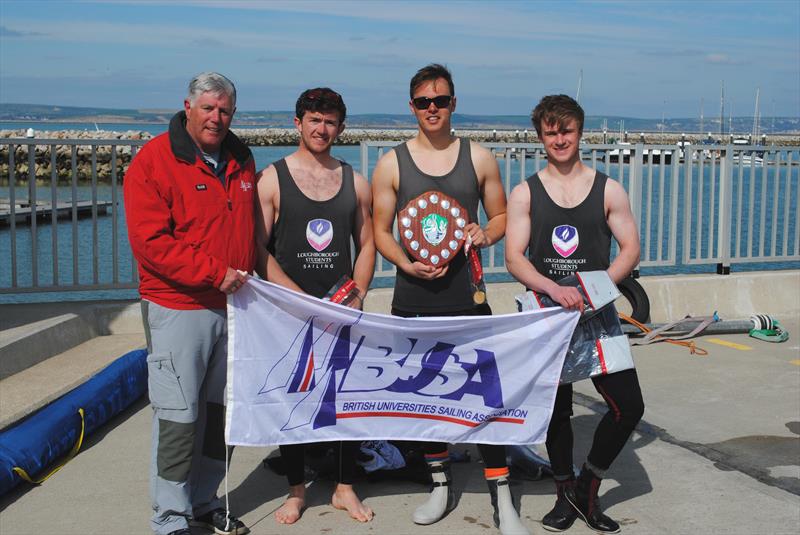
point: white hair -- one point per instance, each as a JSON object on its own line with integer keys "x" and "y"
{"x": 211, "y": 82}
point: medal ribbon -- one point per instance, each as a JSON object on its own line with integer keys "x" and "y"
{"x": 343, "y": 291}
{"x": 476, "y": 270}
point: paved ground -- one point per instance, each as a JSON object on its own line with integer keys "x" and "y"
{"x": 718, "y": 451}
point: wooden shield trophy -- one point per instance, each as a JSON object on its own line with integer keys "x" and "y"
{"x": 431, "y": 228}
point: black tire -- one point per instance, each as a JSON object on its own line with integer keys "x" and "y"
{"x": 637, "y": 297}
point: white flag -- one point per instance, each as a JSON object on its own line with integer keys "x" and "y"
{"x": 301, "y": 369}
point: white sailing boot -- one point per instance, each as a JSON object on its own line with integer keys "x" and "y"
{"x": 441, "y": 499}
{"x": 506, "y": 517}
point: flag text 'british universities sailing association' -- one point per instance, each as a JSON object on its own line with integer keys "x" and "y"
{"x": 301, "y": 369}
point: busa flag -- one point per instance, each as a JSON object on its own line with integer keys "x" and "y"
{"x": 301, "y": 369}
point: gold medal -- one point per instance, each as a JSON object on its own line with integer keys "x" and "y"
{"x": 479, "y": 297}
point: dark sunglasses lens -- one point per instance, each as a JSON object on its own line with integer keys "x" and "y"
{"x": 422, "y": 103}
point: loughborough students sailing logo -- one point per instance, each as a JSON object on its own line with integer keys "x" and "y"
{"x": 565, "y": 240}
{"x": 319, "y": 233}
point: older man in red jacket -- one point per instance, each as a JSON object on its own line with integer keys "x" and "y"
{"x": 189, "y": 205}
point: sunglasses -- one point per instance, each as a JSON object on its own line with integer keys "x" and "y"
{"x": 440, "y": 101}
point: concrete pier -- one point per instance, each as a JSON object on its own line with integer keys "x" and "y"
{"x": 718, "y": 449}
{"x": 24, "y": 212}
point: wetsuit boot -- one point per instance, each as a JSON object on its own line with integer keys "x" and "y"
{"x": 506, "y": 517}
{"x": 587, "y": 504}
{"x": 563, "y": 514}
{"x": 441, "y": 499}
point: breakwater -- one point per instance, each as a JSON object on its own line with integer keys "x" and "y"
{"x": 104, "y": 140}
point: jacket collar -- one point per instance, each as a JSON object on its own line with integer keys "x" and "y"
{"x": 184, "y": 148}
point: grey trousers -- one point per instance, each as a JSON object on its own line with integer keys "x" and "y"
{"x": 186, "y": 364}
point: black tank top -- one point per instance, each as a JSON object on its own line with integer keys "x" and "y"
{"x": 451, "y": 292}
{"x": 311, "y": 239}
{"x": 566, "y": 240}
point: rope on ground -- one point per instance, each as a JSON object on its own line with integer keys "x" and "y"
{"x": 693, "y": 348}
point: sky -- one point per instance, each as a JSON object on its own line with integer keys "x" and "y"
{"x": 638, "y": 59}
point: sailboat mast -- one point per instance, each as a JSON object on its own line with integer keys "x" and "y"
{"x": 722, "y": 109}
{"x": 756, "y": 117}
{"x": 702, "y": 130}
{"x": 730, "y": 119}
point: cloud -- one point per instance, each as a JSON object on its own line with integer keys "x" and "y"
{"x": 468, "y": 18}
{"x": 270, "y": 59}
{"x": 8, "y": 32}
{"x": 130, "y": 33}
{"x": 680, "y": 53}
{"x": 207, "y": 41}
{"x": 723, "y": 59}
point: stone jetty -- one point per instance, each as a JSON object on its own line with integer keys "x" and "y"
{"x": 104, "y": 140}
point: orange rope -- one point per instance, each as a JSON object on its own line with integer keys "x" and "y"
{"x": 693, "y": 349}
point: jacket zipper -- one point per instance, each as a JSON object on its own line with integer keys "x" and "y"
{"x": 228, "y": 182}
{"x": 226, "y": 187}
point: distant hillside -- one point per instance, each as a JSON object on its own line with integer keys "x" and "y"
{"x": 283, "y": 119}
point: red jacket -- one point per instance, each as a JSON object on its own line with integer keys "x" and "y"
{"x": 185, "y": 228}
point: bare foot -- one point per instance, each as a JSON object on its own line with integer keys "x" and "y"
{"x": 345, "y": 498}
{"x": 292, "y": 508}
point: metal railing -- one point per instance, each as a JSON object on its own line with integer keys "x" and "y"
{"x": 694, "y": 205}
{"x": 62, "y": 224}
{"x": 66, "y": 166}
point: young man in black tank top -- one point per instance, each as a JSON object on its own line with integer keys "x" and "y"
{"x": 436, "y": 160}
{"x": 311, "y": 206}
{"x": 564, "y": 217}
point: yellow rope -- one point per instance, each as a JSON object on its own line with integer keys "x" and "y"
{"x": 24, "y": 475}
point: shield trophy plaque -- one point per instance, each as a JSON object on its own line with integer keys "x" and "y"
{"x": 431, "y": 228}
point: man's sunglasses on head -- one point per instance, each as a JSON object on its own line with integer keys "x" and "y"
{"x": 440, "y": 101}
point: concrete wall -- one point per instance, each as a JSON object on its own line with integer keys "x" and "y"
{"x": 734, "y": 296}
{"x": 34, "y": 332}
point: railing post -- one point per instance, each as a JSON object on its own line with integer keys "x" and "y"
{"x": 725, "y": 206}
{"x": 364, "y": 159}
{"x": 54, "y": 212}
{"x": 635, "y": 191}
{"x": 115, "y": 218}
{"x": 34, "y": 215}
{"x": 12, "y": 201}
{"x": 687, "y": 204}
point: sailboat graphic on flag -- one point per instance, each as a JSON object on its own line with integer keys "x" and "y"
{"x": 299, "y": 375}
{"x": 294, "y": 375}
{"x": 303, "y": 376}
